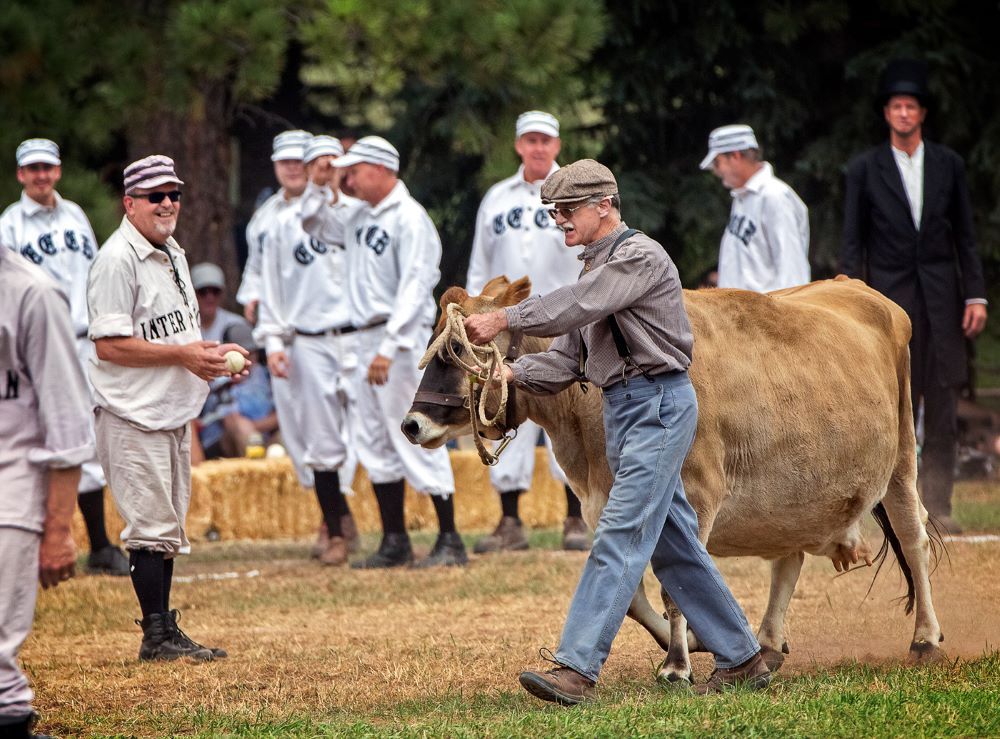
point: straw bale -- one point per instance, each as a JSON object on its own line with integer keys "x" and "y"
{"x": 262, "y": 499}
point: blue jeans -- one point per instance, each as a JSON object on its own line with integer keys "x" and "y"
{"x": 649, "y": 426}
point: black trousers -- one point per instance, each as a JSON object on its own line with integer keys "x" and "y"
{"x": 940, "y": 401}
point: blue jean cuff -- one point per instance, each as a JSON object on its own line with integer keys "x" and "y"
{"x": 575, "y": 668}
{"x": 725, "y": 665}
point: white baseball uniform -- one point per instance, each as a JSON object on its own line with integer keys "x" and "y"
{"x": 393, "y": 258}
{"x": 143, "y": 413}
{"x": 44, "y": 424}
{"x": 259, "y": 223}
{"x": 303, "y": 310}
{"x": 61, "y": 242}
{"x": 766, "y": 242}
{"x": 515, "y": 237}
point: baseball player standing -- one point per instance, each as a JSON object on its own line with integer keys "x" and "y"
{"x": 766, "y": 242}
{"x": 150, "y": 380}
{"x": 54, "y": 233}
{"x": 305, "y": 327}
{"x": 45, "y": 435}
{"x": 393, "y": 258}
{"x": 515, "y": 237}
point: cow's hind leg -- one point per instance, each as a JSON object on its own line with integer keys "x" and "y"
{"x": 771, "y": 635}
{"x": 641, "y": 611}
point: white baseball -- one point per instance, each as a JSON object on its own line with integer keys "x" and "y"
{"x": 275, "y": 451}
{"x": 234, "y": 362}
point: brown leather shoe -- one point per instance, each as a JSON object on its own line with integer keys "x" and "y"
{"x": 350, "y": 532}
{"x": 562, "y": 685}
{"x": 508, "y": 536}
{"x": 319, "y": 546}
{"x": 335, "y": 553}
{"x": 576, "y": 535}
{"x": 752, "y": 675}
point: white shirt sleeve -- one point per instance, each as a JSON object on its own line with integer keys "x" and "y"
{"x": 785, "y": 222}
{"x": 320, "y": 218}
{"x": 270, "y": 330}
{"x": 110, "y": 298}
{"x": 482, "y": 253}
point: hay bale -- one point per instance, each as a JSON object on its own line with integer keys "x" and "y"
{"x": 262, "y": 499}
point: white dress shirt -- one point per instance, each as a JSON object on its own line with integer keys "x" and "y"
{"x": 911, "y": 170}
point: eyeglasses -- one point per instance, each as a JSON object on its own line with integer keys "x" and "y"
{"x": 202, "y": 291}
{"x": 157, "y": 197}
{"x": 566, "y": 212}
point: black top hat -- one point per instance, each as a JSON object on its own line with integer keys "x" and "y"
{"x": 904, "y": 77}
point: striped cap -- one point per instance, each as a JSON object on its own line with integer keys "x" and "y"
{"x": 290, "y": 145}
{"x": 373, "y": 150}
{"x": 321, "y": 146}
{"x": 149, "y": 172}
{"x": 37, "y": 151}
{"x": 536, "y": 121}
{"x": 738, "y": 137}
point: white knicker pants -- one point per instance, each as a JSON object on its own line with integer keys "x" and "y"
{"x": 315, "y": 406}
{"x": 517, "y": 463}
{"x": 91, "y": 474}
{"x": 382, "y": 449}
{"x": 150, "y": 477}
{"x": 18, "y": 588}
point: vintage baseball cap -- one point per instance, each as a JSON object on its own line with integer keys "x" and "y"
{"x": 151, "y": 171}
{"x": 37, "y": 151}
{"x": 207, "y": 274}
{"x": 536, "y": 121}
{"x": 580, "y": 180}
{"x": 290, "y": 145}
{"x": 373, "y": 150}
{"x": 737, "y": 137}
{"x": 320, "y": 146}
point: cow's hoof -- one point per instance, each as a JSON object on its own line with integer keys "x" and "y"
{"x": 773, "y": 658}
{"x": 673, "y": 677}
{"x": 923, "y": 652}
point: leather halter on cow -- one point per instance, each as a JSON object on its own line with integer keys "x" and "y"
{"x": 481, "y": 379}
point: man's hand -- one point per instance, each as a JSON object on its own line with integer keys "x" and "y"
{"x": 202, "y": 358}
{"x": 320, "y": 170}
{"x": 237, "y": 377}
{"x": 250, "y": 311}
{"x": 57, "y": 554}
{"x": 378, "y": 370}
{"x": 974, "y": 320}
{"x": 481, "y": 328}
{"x": 278, "y": 364}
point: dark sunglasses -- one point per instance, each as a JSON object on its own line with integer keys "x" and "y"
{"x": 157, "y": 197}
{"x": 208, "y": 291}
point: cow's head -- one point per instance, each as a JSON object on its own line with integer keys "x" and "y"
{"x": 440, "y": 411}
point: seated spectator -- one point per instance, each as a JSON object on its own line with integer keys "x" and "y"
{"x": 232, "y": 413}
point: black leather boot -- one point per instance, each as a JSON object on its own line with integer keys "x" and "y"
{"x": 448, "y": 551}
{"x": 161, "y": 642}
{"x": 182, "y": 638}
{"x": 394, "y": 551}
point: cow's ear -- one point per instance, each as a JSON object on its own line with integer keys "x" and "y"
{"x": 453, "y": 295}
{"x": 495, "y": 287}
{"x": 516, "y": 292}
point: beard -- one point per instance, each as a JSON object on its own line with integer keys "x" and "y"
{"x": 165, "y": 228}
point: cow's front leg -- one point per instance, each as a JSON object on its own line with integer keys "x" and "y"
{"x": 676, "y": 666}
{"x": 771, "y": 635}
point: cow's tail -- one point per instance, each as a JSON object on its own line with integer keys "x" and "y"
{"x": 891, "y": 540}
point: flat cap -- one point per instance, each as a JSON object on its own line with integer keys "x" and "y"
{"x": 582, "y": 179}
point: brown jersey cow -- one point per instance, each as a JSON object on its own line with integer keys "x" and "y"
{"x": 804, "y": 427}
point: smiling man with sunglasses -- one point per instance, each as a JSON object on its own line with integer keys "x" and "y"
{"x": 623, "y": 327}
{"x": 150, "y": 380}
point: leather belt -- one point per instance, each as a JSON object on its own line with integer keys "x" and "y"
{"x": 342, "y": 330}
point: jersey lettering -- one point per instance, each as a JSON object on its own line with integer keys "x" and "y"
{"x": 377, "y": 239}
{"x": 46, "y": 244}
{"x": 742, "y": 228}
{"x": 302, "y": 255}
{"x": 318, "y": 246}
{"x": 498, "y": 225}
{"x": 88, "y": 248}
{"x": 542, "y": 218}
{"x": 160, "y": 327}
{"x": 28, "y": 252}
{"x": 514, "y": 217}
{"x": 69, "y": 238}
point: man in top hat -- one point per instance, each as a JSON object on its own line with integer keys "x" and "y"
{"x": 515, "y": 237}
{"x": 765, "y": 245}
{"x": 150, "y": 380}
{"x": 650, "y": 415}
{"x": 393, "y": 258}
{"x": 305, "y": 328}
{"x": 54, "y": 233}
{"x": 908, "y": 231}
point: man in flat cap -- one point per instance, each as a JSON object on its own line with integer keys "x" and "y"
{"x": 150, "y": 380}
{"x": 766, "y": 243}
{"x": 624, "y": 328}
{"x": 55, "y": 234}
{"x": 393, "y": 264}
{"x": 908, "y": 232}
{"x": 515, "y": 237}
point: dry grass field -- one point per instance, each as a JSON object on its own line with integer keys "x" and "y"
{"x": 334, "y": 652}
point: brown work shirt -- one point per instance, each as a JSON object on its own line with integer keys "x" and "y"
{"x": 640, "y": 285}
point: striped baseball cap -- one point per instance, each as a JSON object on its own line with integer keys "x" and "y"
{"x": 321, "y": 146}
{"x": 290, "y": 145}
{"x": 536, "y": 121}
{"x": 38, "y": 151}
{"x": 149, "y": 172}
{"x": 373, "y": 150}
{"x": 737, "y": 137}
